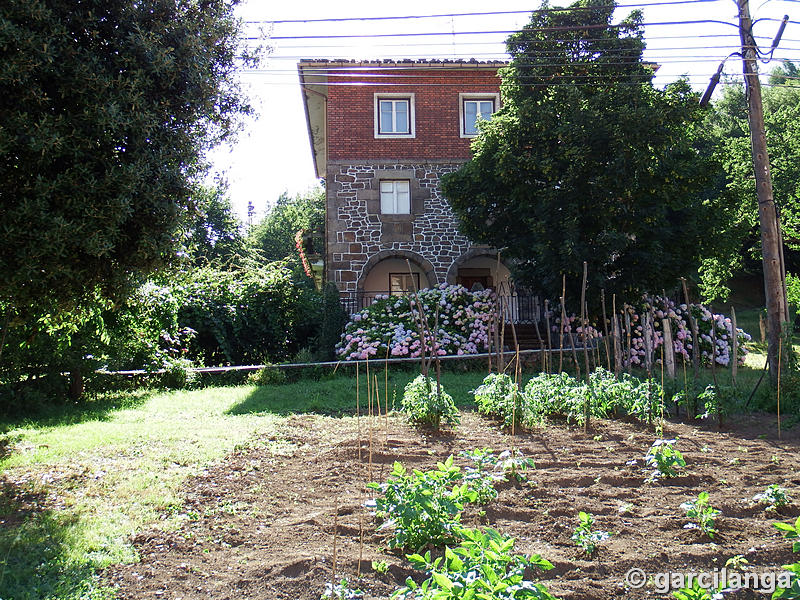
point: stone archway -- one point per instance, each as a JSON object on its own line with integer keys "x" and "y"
{"x": 488, "y": 262}
{"x": 425, "y": 266}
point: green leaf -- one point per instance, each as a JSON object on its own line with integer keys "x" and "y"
{"x": 442, "y": 581}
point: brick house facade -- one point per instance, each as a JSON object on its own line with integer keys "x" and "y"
{"x": 382, "y": 135}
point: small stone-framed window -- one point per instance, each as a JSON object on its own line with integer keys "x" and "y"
{"x": 403, "y": 283}
{"x": 395, "y": 197}
{"x": 473, "y": 107}
{"x": 394, "y": 116}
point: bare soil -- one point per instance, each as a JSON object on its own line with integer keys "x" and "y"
{"x": 261, "y": 524}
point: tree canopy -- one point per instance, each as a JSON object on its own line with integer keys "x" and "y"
{"x": 274, "y": 235}
{"x": 107, "y": 109}
{"x": 587, "y": 160}
{"x": 738, "y": 220}
{"x": 214, "y": 234}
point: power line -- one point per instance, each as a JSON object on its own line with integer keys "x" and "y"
{"x": 497, "y": 32}
{"x": 478, "y": 43}
{"x": 473, "y": 14}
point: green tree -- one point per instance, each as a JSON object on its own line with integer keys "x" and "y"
{"x": 107, "y": 109}
{"x": 738, "y": 216}
{"x": 214, "y": 235}
{"x": 587, "y": 161}
{"x": 274, "y": 235}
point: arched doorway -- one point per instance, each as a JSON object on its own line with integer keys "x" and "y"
{"x": 388, "y": 272}
{"x": 479, "y": 268}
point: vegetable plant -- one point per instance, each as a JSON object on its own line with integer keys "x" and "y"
{"x": 792, "y": 590}
{"x": 586, "y": 539}
{"x": 482, "y": 566}
{"x": 696, "y": 592}
{"x": 422, "y": 508}
{"x": 665, "y": 459}
{"x": 515, "y": 465}
{"x": 341, "y": 591}
{"x": 482, "y": 477}
{"x": 790, "y": 532}
{"x": 773, "y": 498}
{"x": 381, "y": 567}
{"x": 703, "y": 514}
{"x": 426, "y": 403}
{"x": 498, "y": 396}
{"x": 491, "y": 469}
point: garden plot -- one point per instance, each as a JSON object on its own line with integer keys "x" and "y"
{"x": 262, "y": 526}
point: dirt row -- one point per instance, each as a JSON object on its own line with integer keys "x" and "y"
{"x": 261, "y": 524}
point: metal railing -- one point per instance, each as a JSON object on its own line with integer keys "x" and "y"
{"x": 517, "y": 306}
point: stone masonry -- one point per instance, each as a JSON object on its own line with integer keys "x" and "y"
{"x": 358, "y": 234}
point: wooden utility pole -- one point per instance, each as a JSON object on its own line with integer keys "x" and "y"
{"x": 767, "y": 216}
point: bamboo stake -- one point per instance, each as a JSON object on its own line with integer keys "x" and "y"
{"x": 617, "y": 341}
{"x": 735, "y": 344}
{"x": 386, "y": 398}
{"x": 489, "y": 342}
{"x": 605, "y": 329}
{"x": 360, "y": 539}
{"x": 335, "y": 534}
{"x": 648, "y": 344}
{"x": 371, "y": 424}
{"x": 669, "y": 354}
{"x": 586, "y": 403}
{"x": 695, "y": 332}
{"x": 661, "y": 422}
{"x": 780, "y": 346}
{"x": 714, "y": 350}
{"x": 594, "y": 348}
{"x": 539, "y": 337}
{"x": 549, "y": 365}
{"x": 563, "y": 324}
{"x": 502, "y": 346}
{"x": 628, "y": 336}
{"x": 617, "y": 346}
{"x": 358, "y": 414}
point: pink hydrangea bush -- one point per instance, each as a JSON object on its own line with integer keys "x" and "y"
{"x": 719, "y": 344}
{"x": 389, "y": 323}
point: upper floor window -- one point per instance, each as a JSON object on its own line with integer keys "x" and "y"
{"x": 394, "y": 115}
{"x": 395, "y": 197}
{"x": 474, "y": 107}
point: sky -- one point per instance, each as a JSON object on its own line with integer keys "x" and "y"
{"x": 272, "y": 154}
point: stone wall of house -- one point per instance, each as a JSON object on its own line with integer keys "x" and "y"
{"x": 357, "y": 234}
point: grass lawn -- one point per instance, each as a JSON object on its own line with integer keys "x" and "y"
{"x": 76, "y": 485}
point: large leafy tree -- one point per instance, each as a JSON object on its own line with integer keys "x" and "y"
{"x": 587, "y": 160}
{"x": 107, "y": 108}
{"x": 729, "y": 127}
{"x": 214, "y": 234}
{"x": 274, "y": 236}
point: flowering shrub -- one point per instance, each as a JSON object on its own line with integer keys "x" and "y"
{"x": 719, "y": 344}
{"x": 389, "y": 323}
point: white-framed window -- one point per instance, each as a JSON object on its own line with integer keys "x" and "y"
{"x": 473, "y": 107}
{"x": 394, "y": 116}
{"x": 403, "y": 283}
{"x": 395, "y": 197}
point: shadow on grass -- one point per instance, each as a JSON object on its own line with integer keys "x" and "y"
{"x": 98, "y": 408}
{"x": 337, "y": 396}
{"x": 35, "y": 552}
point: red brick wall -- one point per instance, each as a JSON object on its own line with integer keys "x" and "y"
{"x": 351, "y": 113}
